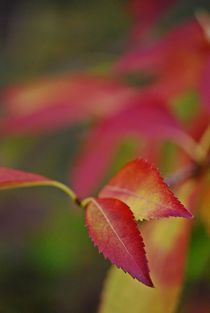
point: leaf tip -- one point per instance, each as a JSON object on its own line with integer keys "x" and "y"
{"x": 112, "y": 228}
{"x": 148, "y": 282}
{"x": 187, "y": 214}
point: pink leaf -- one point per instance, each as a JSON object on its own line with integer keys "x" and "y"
{"x": 175, "y": 61}
{"x": 140, "y": 186}
{"x": 112, "y": 228}
{"x": 146, "y": 13}
{"x": 205, "y": 85}
{"x": 92, "y": 163}
{"x": 12, "y": 178}
{"x": 58, "y": 102}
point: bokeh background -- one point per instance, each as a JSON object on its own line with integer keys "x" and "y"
{"x": 47, "y": 261}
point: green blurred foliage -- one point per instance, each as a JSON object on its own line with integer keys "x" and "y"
{"x": 54, "y": 36}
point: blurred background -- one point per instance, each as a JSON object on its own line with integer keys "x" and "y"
{"x": 48, "y": 263}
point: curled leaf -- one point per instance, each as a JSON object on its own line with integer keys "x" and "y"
{"x": 113, "y": 230}
{"x": 140, "y": 186}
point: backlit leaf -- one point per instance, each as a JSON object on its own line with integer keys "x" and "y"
{"x": 140, "y": 186}
{"x": 113, "y": 230}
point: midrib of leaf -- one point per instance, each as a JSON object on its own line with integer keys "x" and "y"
{"x": 114, "y": 231}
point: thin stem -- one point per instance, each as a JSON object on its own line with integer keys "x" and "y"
{"x": 86, "y": 201}
{"x": 49, "y": 183}
{"x": 65, "y": 189}
{"x": 191, "y": 171}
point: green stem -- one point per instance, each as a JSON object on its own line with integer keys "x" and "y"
{"x": 49, "y": 183}
{"x": 86, "y": 201}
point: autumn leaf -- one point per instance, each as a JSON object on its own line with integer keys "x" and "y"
{"x": 175, "y": 61}
{"x": 56, "y": 102}
{"x": 166, "y": 46}
{"x": 140, "y": 186}
{"x": 12, "y": 178}
{"x": 113, "y": 230}
{"x": 146, "y": 13}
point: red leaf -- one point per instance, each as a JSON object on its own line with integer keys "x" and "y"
{"x": 57, "y": 102}
{"x": 12, "y": 178}
{"x": 140, "y": 186}
{"x": 205, "y": 85}
{"x": 148, "y": 117}
{"x": 187, "y": 35}
{"x": 112, "y": 228}
{"x": 175, "y": 60}
{"x": 92, "y": 163}
{"x": 146, "y": 13}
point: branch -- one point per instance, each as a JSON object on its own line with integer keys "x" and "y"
{"x": 191, "y": 171}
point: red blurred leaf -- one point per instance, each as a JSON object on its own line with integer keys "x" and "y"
{"x": 176, "y": 60}
{"x": 181, "y": 37}
{"x": 198, "y": 125}
{"x": 205, "y": 85}
{"x": 57, "y": 102}
{"x": 113, "y": 230}
{"x": 148, "y": 117}
{"x": 140, "y": 186}
{"x": 166, "y": 243}
{"x": 92, "y": 163}
{"x": 146, "y": 13}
